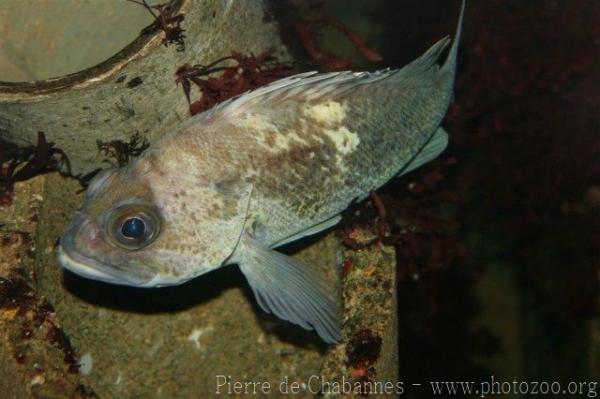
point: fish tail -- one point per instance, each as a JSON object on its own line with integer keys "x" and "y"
{"x": 450, "y": 64}
{"x": 426, "y": 68}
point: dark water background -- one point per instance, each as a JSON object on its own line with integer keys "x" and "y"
{"x": 500, "y": 276}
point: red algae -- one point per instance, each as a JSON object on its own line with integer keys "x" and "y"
{"x": 248, "y": 72}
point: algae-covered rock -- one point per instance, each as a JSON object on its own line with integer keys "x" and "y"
{"x": 36, "y": 357}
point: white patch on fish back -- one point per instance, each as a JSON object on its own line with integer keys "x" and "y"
{"x": 330, "y": 116}
{"x": 258, "y": 123}
{"x": 268, "y": 135}
{"x": 330, "y": 113}
{"x": 345, "y": 141}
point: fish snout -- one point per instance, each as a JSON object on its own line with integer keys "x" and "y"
{"x": 82, "y": 232}
{"x": 84, "y": 250}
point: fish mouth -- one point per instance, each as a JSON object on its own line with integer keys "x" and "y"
{"x": 72, "y": 259}
{"x": 91, "y": 268}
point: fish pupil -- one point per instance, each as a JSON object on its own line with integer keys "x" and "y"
{"x": 133, "y": 228}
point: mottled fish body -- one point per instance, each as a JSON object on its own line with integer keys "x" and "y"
{"x": 258, "y": 171}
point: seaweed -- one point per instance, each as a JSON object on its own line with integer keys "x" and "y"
{"x": 248, "y": 72}
{"x": 122, "y": 152}
{"x": 34, "y": 313}
{"x": 417, "y": 217}
{"x": 362, "y": 351}
{"x": 17, "y": 293}
{"x": 309, "y": 32}
{"x": 167, "y": 21}
{"x": 22, "y": 163}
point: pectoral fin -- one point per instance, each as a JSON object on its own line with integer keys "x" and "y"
{"x": 290, "y": 289}
{"x": 434, "y": 147}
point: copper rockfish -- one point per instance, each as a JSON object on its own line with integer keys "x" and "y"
{"x": 256, "y": 172}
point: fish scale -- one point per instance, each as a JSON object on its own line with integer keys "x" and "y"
{"x": 389, "y": 136}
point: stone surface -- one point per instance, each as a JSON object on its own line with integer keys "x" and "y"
{"x": 71, "y": 36}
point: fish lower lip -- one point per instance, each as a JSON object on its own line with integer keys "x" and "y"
{"x": 84, "y": 267}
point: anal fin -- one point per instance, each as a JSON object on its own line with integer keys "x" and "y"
{"x": 434, "y": 147}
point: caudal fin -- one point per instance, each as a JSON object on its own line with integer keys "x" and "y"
{"x": 450, "y": 64}
{"x": 426, "y": 67}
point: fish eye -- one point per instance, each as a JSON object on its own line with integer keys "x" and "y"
{"x": 133, "y": 227}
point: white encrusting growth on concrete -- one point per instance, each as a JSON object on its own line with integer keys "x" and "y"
{"x": 197, "y": 333}
{"x": 86, "y": 362}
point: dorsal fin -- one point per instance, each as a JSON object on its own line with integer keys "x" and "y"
{"x": 424, "y": 67}
{"x": 304, "y": 86}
